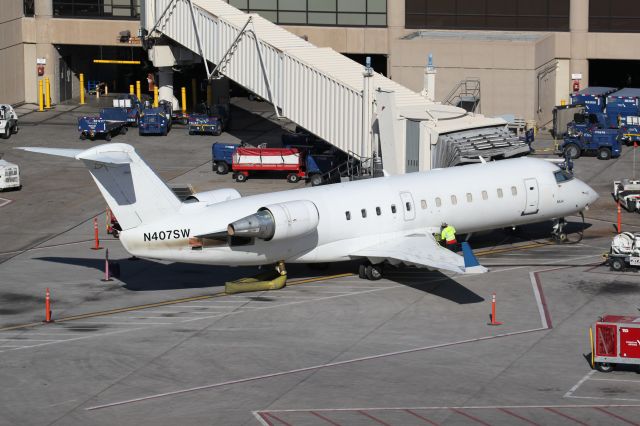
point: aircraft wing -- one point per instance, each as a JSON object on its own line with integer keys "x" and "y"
{"x": 419, "y": 250}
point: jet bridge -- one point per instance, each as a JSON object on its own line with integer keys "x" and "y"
{"x": 317, "y": 88}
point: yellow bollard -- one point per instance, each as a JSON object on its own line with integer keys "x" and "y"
{"x": 138, "y": 93}
{"x": 47, "y": 95}
{"x": 155, "y": 96}
{"x": 184, "y": 100}
{"x": 194, "y": 93}
{"x": 563, "y": 102}
{"x": 40, "y": 97}
{"x": 131, "y": 91}
{"x": 81, "y": 89}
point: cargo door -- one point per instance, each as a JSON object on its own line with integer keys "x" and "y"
{"x": 630, "y": 342}
{"x": 531, "y": 191}
{"x": 64, "y": 80}
{"x": 407, "y": 206}
{"x": 606, "y": 340}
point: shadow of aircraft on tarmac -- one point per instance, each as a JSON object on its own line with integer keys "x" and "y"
{"x": 148, "y": 275}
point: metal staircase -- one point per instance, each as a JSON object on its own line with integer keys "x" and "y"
{"x": 466, "y": 95}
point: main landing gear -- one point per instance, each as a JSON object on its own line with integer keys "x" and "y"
{"x": 558, "y": 234}
{"x": 370, "y": 272}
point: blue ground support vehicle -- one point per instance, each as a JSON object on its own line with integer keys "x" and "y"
{"x": 630, "y": 132}
{"x": 154, "y": 121}
{"x": 110, "y": 122}
{"x": 604, "y": 143}
{"x": 621, "y": 105}
{"x": 212, "y": 120}
{"x": 222, "y": 155}
{"x": 587, "y": 121}
{"x": 132, "y": 106}
{"x": 593, "y": 98}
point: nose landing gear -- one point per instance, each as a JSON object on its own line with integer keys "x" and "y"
{"x": 558, "y": 234}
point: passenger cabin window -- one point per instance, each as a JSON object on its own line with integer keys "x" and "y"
{"x": 469, "y": 197}
{"x": 378, "y": 211}
{"x": 500, "y": 194}
{"x": 562, "y": 176}
{"x": 485, "y": 196}
{"x": 514, "y": 191}
{"x": 348, "y": 215}
{"x": 364, "y": 212}
{"x": 393, "y": 208}
{"x": 423, "y": 203}
{"x": 454, "y": 200}
{"x": 408, "y": 206}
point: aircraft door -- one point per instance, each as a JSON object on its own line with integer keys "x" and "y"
{"x": 532, "y": 196}
{"x": 408, "y": 206}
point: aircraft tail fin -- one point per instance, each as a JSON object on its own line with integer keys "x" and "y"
{"x": 134, "y": 193}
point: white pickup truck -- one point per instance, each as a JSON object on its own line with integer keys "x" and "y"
{"x": 8, "y": 121}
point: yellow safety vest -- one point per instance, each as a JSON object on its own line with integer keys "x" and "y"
{"x": 448, "y": 233}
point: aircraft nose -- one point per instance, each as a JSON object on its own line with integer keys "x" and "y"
{"x": 589, "y": 193}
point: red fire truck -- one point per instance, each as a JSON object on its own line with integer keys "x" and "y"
{"x": 617, "y": 341}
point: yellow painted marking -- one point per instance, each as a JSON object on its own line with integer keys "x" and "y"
{"x": 165, "y": 303}
{"x": 114, "y": 61}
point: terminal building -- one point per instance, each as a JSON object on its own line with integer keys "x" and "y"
{"x": 523, "y": 54}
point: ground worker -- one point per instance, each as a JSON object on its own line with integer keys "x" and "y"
{"x": 448, "y": 235}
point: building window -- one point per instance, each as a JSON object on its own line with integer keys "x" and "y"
{"x": 614, "y": 16}
{"x": 469, "y": 197}
{"x": 393, "y": 208}
{"x": 378, "y": 211}
{"x": 349, "y": 13}
{"x": 500, "y": 194}
{"x": 485, "y": 196}
{"x": 438, "y": 202}
{"x": 103, "y": 9}
{"x": 347, "y": 215}
{"x": 454, "y": 200}
{"x": 29, "y": 8}
{"x": 364, "y": 213}
{"x": 514, "y": 15}
{"x": 423, "y": 203}
{"x": 514, "y": 191}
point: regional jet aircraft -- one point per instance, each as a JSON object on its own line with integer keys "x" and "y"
{"x": 384, "y": 220}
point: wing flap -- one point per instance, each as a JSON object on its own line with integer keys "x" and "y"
{"x": 420, "y": 250}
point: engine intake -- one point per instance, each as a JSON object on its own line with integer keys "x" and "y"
{"x": 278, "y": 221}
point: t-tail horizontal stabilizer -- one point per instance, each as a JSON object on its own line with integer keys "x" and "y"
{"x": 471, "y": 264}
{"x": 134, "y": 193}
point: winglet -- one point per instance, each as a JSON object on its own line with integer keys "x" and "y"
{"x": 471, "y": 264}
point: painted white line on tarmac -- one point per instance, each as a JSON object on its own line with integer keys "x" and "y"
{"x": 311, "y": 368}
{"x": 575, "y": 387}
{"x": 542, "y": 309}
{"x": 601, "y": 397}
{"x": 616, "y": 380}
{"x": 5, "y": 201}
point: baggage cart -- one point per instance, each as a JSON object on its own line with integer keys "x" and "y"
{"x": 627, "y": 191}
{"x": 8, "y": 121}
{"x": 251, "y": 160}
{"x": 154, "y": 121}
{"x": 110, "y": 122}
{"x": 593, "y": 98}
{"x": 616, "y": 341}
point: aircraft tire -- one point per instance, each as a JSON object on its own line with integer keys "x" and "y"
{"x": 362, "y": 274}
{"x": 374, "y": 272}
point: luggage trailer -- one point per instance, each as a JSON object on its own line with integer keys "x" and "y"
{"x": 617, "y": 342}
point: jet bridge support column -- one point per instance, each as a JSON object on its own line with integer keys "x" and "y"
{"x": 367, "y": 149}
{"x": 165, "y": 85}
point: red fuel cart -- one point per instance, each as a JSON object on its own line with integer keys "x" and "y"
{"x": 617, "y": 341}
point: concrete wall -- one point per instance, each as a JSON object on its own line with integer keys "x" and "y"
{"x": 11, "y": 52}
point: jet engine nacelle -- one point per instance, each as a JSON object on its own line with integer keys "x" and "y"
{"x": 278, "y": 221}
{"x": 214, "y": 197}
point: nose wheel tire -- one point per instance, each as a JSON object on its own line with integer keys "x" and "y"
{"x": 373, "y": 272}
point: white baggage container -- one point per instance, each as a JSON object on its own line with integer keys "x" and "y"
{"x": 9, "y": 175}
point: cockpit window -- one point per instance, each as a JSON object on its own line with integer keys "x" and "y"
{"x": 562, "y": 176}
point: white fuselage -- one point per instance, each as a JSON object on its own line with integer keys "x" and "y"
{"x": 471, "y": 198}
